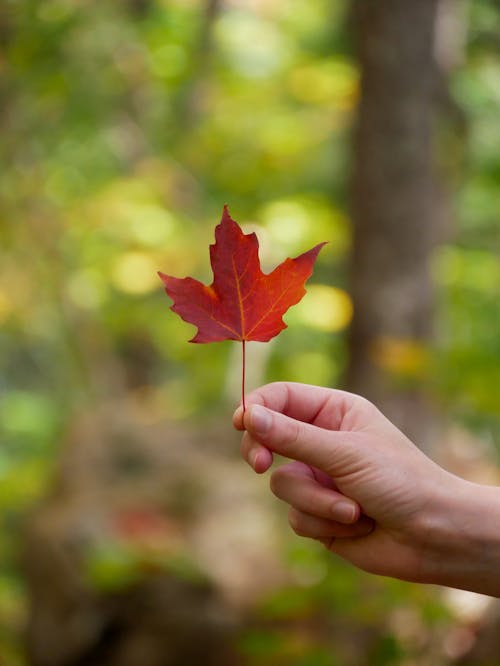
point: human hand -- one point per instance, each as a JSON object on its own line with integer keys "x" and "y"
{"x": 403, "y": 505}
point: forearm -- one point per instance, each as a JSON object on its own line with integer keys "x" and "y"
{"x": 461, "y": 539}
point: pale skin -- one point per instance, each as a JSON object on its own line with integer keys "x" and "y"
{"x": 365, "y": 491}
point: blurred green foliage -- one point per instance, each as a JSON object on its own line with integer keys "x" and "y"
{"x": 330, "y": 610}
{"x": 125, "y": 128}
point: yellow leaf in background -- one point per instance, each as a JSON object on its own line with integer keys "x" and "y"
{"x": 334, "y": 82}
{"x": 400, "y": 356}
{"x": 324, "y": 308}
{"x": 135, "y": 273}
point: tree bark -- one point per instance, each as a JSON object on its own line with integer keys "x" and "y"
{"x": 394, "y": 208}
{"x": 192, "y": 97}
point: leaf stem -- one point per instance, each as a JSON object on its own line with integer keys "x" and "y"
{"x": 243, "y": 372}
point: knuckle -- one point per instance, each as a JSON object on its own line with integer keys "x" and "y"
{"x": 276, "y": 481}
{"x": 313, "y": 501}
{"x": 246, "y": 444}
{"x": 364, "y": 402}
{"x": 296, "y": 523}
{"x": 293, "y": 434}
{"x": 274, "y": 385}
{"x": 366, "y": 406}
{"x": 328, "y": 543}
{"x": 267, "y": 394}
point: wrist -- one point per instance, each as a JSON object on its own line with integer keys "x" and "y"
{"x": 460, "y": 537}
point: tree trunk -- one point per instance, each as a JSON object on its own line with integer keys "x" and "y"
{"x": 192, "y": 97}
{"x": 393, "y": 207}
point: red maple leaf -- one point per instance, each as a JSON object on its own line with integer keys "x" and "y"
{"x": 242, "y": 303}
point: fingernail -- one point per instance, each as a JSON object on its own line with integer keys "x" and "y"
{"x": 260, "y": 419}
{"x": 344, "y": 512}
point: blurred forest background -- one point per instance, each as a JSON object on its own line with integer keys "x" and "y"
{"x": 132, "y": 534}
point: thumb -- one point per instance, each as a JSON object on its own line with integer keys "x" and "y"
{"x": 325, "y": 449}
